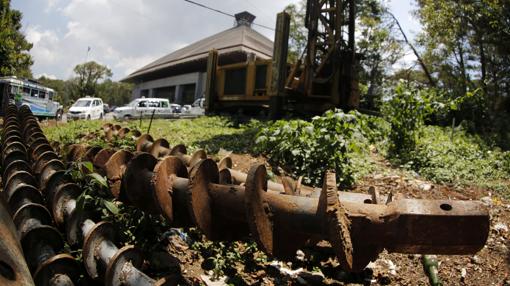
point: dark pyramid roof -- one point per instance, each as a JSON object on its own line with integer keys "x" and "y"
{"x": 238, "y": 39}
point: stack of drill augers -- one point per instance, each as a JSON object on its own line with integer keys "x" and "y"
{"x": 192, "y": 190}
{"x": 103, "y": 260}
{"x": 13, "y": 268}
{"x": 41, "y": 241}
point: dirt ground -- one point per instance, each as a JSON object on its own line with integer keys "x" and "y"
{"x": 488, "y": 267}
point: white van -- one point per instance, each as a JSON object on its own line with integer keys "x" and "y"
{"x": 145, "y": 107}
{"x": 86, "y": 108}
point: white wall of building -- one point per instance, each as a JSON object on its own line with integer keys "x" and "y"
{"x": 197, "y": 78}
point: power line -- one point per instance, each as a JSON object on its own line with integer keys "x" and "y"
{"x": 224, "y": 13}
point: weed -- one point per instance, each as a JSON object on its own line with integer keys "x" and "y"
{"x": 310, "y": 148}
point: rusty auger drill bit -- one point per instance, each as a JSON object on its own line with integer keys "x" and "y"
{"x": 161, "y": 148}
{"x": 41, "y": 242}
{"x": 282, "y": 224}
{"x": 102, "y": 258}
{"x": 288, "y": 186}
{"x": 112, "y": 131}
{"x": 14, "y": 270}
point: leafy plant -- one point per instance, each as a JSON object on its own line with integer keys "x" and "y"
{"x": 95, "y": 195}
{"x": 406, "y": 110}
{"x": 222, "y": 258}
{"x": 460, "y": 159}
{"x": 310, "y": 148}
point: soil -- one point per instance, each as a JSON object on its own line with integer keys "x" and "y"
{"x": 490, "y": 266}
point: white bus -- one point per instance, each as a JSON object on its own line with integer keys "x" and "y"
{"x": 27, "y": 92}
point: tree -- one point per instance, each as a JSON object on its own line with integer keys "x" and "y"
{"x": 14, "y": 57}
{"x": 58, "y": 85}
{"x": 379, "y": 49}
{"x": 467, "y": 45}
{"x": 88, "y": 76}
{"x": 115, "y": 93}
{"x": 298, "y": 34}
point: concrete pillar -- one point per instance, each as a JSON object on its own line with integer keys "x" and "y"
{"x": 178, "y": 94}
{"x": 198, "y": 86}
{"x": 151, "y": 93}
{"x": 210, "y": 83}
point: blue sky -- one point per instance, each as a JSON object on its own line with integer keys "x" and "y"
{"x": 128, "y": 34}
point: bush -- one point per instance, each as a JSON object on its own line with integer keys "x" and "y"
{"x": 406, "y": 111}
{"x": 460, "y": 159}
{"x": 310, "y": 148}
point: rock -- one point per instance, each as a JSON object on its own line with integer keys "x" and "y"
{"x": 300, "y": 255}
{"x": 500, "y": 227}
{"x": 383, "y": 266}
{"x": 487, "y": 201}
{"x": 425, "y": 187}
{"x": 476, "y": 259}
{"x": 312, "y": 278}
{"x": 463, "y": 273}
{"x": 208, "y": 280}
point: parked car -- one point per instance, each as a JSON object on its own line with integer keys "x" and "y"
{"x": 144, "y": 107}
{"x": 86, "y": 108}
{"x": 197, "y": 107}
{"x": 176, "y": 108}
{"x": 106, "y": 108}
{"x": 185, "y": 108}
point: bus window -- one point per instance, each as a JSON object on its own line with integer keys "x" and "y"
{"x": 50, "y": 94}
{"x": 35, "y": 93}
{"x": 42, "y": 94}
{"x": 14, "y": 89}
{"x": 26, "y": 91}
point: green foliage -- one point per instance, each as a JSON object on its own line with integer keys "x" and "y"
{"x": 379, "y": 47}
{"x": 298, "y": 34}
{"x": 455, "y": 157}
{"x": 209, "y": 133}
{"x": 14, "y": 56}
{"x": 223, "y": 258}
{"x": 310, "y": 148}
{"x": 466, "y": 45}
{"x": 88, "y": 75}
{"x": 114, "y": 93}
{"x": 406, "y": 111}
{"x": 96, "y": 195}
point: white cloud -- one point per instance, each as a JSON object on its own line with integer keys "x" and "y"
{"x": 50, "y": 4}
{"x": 406, "y": 62}
{"x": 128, "y": 34}
{"x": 50, "y": 76}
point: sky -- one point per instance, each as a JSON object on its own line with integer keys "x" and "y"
{"x": 128, "y": 34}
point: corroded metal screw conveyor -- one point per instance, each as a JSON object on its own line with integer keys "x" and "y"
{"x": 358, "y": 226}
{"x": 41, "y": 242}
{"x": 102, "y": 258}
{"x": 13, "y": 268}
{"x": 357, "y": 229}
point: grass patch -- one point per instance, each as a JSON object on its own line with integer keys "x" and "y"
{"x": 209, "y": 133}
{"x": 461, "y": 159}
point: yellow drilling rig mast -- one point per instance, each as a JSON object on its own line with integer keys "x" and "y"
{"x": 323, "y": 77}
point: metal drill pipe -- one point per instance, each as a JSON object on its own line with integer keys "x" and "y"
{"x": 121, "y": 264}
{"x": 14, "y": 267}
{"x": 391, "y": 226}
{"x": 161, "y": 148}
{"x": 40, "y": 241}
{"x": 287, "y": 187}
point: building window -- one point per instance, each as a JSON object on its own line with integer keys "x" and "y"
{"x": 260, "y": 78}
{"x": 188, "y": 93}
{"x": 235, "y": 81}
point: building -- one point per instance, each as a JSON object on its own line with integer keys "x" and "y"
{"x": 181, "y": 75}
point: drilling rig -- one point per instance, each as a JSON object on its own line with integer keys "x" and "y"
{"x": 324, "y": 76}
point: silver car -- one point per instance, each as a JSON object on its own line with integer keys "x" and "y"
{"x": 145, "y": 107}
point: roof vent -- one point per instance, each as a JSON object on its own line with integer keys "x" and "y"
{"x": 244, "y": 18}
